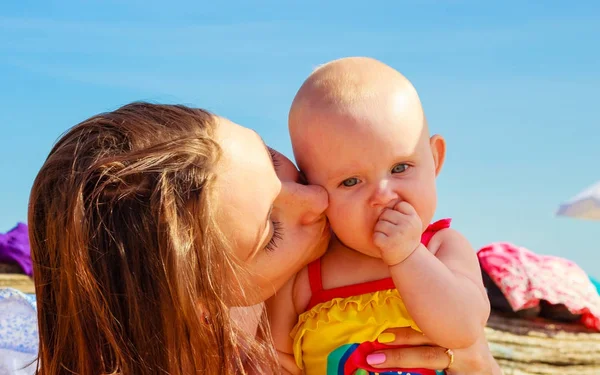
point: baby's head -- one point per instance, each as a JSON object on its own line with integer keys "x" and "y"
{"x": 358, "y": 129}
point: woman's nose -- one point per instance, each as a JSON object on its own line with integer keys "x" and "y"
{"x": 308, "y": 202}
{"x": 384, "y": 194}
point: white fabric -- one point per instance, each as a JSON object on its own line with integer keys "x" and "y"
{"x": 18, "y": 332}
{"x": 16, "y": 363}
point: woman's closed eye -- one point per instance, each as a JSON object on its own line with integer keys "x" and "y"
{"x": 274, "y": 158}
{"x": 275, "y": 237}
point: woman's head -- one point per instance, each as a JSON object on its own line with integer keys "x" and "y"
{"x": 276, "y": 222}
{"x": 136, "y": 252}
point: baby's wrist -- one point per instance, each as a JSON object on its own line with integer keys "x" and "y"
{"x": 395, "y": 262}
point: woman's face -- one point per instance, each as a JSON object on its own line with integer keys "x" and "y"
{"x": 275, "y": 223}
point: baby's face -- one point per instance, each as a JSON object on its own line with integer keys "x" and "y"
{"x": 368, "y": 160}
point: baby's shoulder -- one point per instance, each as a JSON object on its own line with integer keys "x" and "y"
{"x": 446, "y": 237}
{"x": 449, "y": 239}
{"x": 301, "y": 292}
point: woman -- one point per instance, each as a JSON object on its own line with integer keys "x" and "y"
{"x": 148, "y": 223}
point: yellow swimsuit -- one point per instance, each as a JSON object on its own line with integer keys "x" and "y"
{"x": 341, "y": 325}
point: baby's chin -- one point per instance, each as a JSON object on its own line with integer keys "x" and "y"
{"x": 367, "y": 248}
{"x": 371, "y": 251}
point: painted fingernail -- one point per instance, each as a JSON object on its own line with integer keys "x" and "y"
{"x": 361, "y": 371}
{"x": 386, "y": 337}
{"x": 376, "y": 359}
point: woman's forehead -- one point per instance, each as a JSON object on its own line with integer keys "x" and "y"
{"x": 246, "y": 185}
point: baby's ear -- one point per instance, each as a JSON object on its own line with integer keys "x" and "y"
{"x": 438, "y": 151}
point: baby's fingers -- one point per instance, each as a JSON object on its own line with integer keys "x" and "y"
{"x": 384, "y": 227}
{"x": 405, "y": 208}
{"x": 391, "y": 215}
{"x": 380, "y": 239}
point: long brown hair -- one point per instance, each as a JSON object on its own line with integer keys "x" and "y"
{"x": 128, "y": 263}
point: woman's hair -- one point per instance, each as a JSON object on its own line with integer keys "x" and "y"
{"x": 129, "y": 264}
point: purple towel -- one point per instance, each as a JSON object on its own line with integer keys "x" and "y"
{"x": 14, "y": 248}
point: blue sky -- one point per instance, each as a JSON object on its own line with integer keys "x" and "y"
{"x": 512, "y": 85}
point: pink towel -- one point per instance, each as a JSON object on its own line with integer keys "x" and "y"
{"x": 525, "y": 278}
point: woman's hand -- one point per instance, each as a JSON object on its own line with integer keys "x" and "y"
{"x": 474, "y": 360}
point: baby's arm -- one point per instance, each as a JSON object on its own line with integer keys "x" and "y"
{"x": 282, "y": 316}
{"x": 443, "y": 294}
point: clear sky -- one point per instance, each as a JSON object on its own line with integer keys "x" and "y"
{"x": 512, "y": 85}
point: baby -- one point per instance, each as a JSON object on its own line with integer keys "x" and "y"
{"x": 358, "y": 129}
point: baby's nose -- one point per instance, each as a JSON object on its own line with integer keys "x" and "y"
{"x": 384, "y": 195}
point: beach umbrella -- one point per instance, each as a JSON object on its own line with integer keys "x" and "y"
{"x": 585, "y": 205}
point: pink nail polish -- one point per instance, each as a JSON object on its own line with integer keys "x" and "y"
{"x": 376, "y": 359}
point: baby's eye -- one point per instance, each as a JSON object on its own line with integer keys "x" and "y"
{"x": 350, "y": 181}
{"x": 399, "y": 168}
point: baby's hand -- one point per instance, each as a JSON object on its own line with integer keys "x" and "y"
{"x": 397, "y": 233}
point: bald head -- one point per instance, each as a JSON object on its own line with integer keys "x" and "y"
{"x": 350, "y": 81}
{"x": 360, "y": 93}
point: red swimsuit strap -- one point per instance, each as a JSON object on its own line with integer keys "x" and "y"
{"x": 319, "y": 295}
{"x": 314, "y": 277}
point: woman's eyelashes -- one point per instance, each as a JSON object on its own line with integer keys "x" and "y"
{"x": 277, "y": 235}
{"x": 274, "y": 158}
